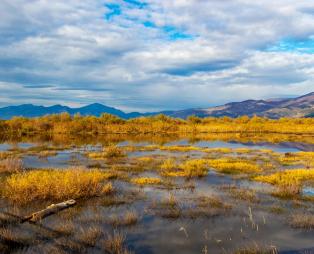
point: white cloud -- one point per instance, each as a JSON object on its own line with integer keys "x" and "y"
{"x": 187, "y": 54}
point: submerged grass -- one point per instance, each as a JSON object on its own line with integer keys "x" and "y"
{"x": 115, "y": 243}
{"x": 128, "y": 219}
{"x": 109, "y": 152}
{"x": 241, "y": 193}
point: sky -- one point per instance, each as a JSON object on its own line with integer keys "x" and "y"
{"x": 155, "y": 54}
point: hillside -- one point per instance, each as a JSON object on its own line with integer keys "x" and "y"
{"x": 302, "y": 106}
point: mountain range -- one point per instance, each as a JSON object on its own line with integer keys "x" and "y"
{"x": 302, "y": 106}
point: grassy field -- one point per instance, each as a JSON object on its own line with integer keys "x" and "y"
{"x": 177, "y": 190}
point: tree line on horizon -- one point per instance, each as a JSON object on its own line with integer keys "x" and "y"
{"x": 108, "y": 124}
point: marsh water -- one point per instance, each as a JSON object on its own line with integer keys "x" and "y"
{"x": 258, "y": 224}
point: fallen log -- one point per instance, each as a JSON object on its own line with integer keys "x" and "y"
{"x": 52, "y": 209}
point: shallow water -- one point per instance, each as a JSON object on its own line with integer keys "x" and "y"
{"x": 247, "y": 224}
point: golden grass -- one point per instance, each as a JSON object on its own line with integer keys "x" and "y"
{"x": 306, "y": 158}
{"x": 168, "y": 165}
{"x": 179, "y": 148}
{"x": 234, "y": 166}
{"x": 146, "y": 181}
{"x": 145, "y": 160}
{"x": 194, "y": 168}
{"x": 189, "y": 168}
{"x": 218, "y": 150}
{"x": 56, "y": 185}
{"x": 288, "y": 177}
{"x": 289, "y": 182}
{"x": 243, "y": 150}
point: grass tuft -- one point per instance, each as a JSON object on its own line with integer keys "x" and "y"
{"x": 146, "y": 181}
{"x": 55, "y": 185}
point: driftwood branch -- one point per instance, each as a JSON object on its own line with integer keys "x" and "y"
{"x": 52, "y": 209}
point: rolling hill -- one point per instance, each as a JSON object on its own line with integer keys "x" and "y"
{"x": 29, "y": 110}
{"x": 302, "y": 106}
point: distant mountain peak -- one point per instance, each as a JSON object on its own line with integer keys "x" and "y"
{"x": 30, "y": 110}
{"x": 302, "y": 106}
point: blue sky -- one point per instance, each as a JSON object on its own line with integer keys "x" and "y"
{"x": 155, "y": 54}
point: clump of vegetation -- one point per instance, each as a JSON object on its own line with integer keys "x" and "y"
{"x": 241, "y": 193}
{"x": 128, "y": 219}
{"x": 206, "y": 206}
{"x": 305, "y": 158}
{"x": 146, "y": 181}
{"x": 168, "y": 165}
{"x": 234, "y": 166}
{"x": 288, "y": 182}
{"x": 302, "y": 220}
{"x": 56, "y": 185}
{"x": 90, "y": 236}
{"x": 277, "y": 209}
{"x": 114, "y": 243}
{"x": 189, "y": 168}
{"x": 113, "y": 151}
{"x": 288, "y": 177}
{"x": 287, "y": 191}
{"x": 167, "y": 208}
{"x": 195, "y": 168}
